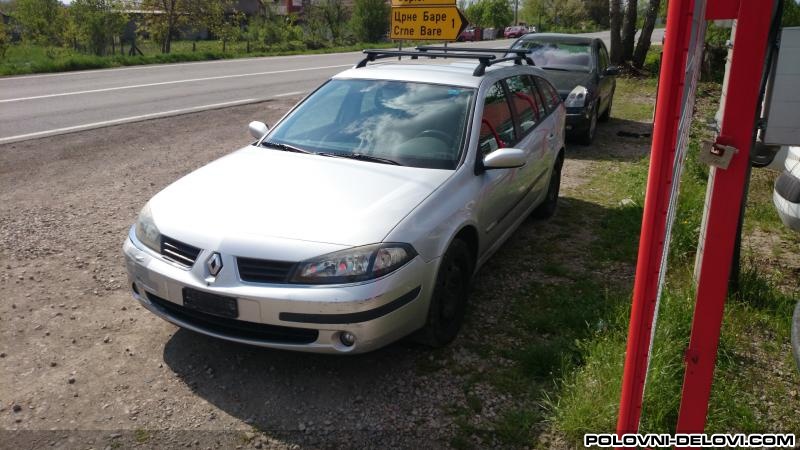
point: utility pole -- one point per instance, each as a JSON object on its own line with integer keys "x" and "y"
{"x": 516, "y": 11}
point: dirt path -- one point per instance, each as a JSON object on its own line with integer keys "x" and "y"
{"x": 77, "y": 353}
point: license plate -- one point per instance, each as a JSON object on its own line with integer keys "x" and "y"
{"x": 218, "y": 305}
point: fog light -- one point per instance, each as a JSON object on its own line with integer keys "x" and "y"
{"x": 347, "y": 339}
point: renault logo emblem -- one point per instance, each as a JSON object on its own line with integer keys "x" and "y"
{"x": 214, "y": 264}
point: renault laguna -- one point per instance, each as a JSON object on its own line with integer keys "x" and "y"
{"x": 362, "y": 215}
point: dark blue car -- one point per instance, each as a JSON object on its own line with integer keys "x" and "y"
{"x": 579, "y": 68}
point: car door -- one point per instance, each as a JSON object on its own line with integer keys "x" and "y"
{"x": 526, "y": 108}
{"x": 497, "y": 191}
{"x": 553, "y": 124}
{"x": 607, "y": 83}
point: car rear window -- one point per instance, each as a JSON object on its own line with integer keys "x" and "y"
{"x": 558, "y": 55}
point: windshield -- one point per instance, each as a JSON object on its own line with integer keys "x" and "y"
{"x": 412, "y": 124}
{"x": 558, "y": 55}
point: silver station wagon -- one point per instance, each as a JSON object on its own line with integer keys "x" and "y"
{"x": 362, "y": 215}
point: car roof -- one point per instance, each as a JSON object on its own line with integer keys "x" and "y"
{"x": 558, "y": 37}
{"x": 454, "y": 74}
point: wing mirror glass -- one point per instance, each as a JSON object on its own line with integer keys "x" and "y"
{"x": 504, "y": 158}
{"x": 611, "y": 71}
{"x": 258, "y": 129}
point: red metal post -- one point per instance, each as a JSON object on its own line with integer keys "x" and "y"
{"x": 659, "y": 181}
{"x": 726, "y": 191}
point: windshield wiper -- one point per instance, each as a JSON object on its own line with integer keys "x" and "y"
{"x": 560, "y": 69}
{"x": 285, "y": 147}
{"x": 362, "y": 157}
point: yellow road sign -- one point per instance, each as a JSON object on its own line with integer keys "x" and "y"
{"x": 429, "y": 23}
{"x": 397, "y": 3}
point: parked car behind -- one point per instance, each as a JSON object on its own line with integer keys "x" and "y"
{"x": 470, "y": 34}
{"x": 359, "y": 218}
{"x": 515, "y": 31}
{"x": 579, "y": 68}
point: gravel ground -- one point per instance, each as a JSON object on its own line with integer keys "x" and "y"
{"x": 84, "y": 367}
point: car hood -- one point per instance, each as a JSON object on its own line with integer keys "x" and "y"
{"x": 260, "y": 194}
{"x": 565, "y": 82}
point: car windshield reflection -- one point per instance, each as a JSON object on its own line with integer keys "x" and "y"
{"x": 558, "y": 55}
{"x": 413, "y": 124}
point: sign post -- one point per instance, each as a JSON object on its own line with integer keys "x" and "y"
{"x": 426, "y": 20}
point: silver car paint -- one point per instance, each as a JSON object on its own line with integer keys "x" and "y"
{"x": 212, "y": 209}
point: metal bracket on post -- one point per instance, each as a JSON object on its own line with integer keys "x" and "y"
{"x": 718, "y": 155}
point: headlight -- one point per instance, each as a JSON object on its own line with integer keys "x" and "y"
{"x": 354, "y": 264}
{"x": 146, "y": 231}
{"x": 577, "y": 98}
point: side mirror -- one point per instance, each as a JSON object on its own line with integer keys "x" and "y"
{"x": 504, "y": 158}
{"x": 611, "y": 71}
{"x": 258, "y": 129}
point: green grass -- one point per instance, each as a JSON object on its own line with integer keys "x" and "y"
{"x": 565, "y": 334}
{"x": 25, "y": 59}
{"x": 633, "y": 98}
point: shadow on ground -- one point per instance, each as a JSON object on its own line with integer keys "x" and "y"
{"x": 616, "y": 140}
{"x": 399, "y": 395}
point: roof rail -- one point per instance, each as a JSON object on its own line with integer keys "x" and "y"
{"x": 521, "y": 54}
{"x": 484, "y": 56}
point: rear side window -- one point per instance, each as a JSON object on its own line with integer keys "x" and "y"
{"x": 497, "y": 123}
{"x": 549, "y": 93}
{"x": 524, "y": 101}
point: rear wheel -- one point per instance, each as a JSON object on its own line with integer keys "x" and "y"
{"x": 550, "y": 204}
{"x": 607, "y": 113}
{"x": 449, "y": 300}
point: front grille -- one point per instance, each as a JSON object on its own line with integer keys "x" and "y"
{"x": 264, "y": 271}
{"x": 179, "y": 252}
{"x": 235, "y": 328}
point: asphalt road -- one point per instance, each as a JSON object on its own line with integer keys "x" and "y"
{"x": 36, "y": 106}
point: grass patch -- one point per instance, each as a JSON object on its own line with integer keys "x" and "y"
{"x": 26, "y": 59}
{"x": 565, "y": 337}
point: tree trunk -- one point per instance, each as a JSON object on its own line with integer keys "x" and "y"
{"x": 643, "y": 45}
{"x": 615, "y": 21}
{"x": 629, "y": 30}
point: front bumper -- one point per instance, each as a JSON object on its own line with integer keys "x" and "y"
{"x": 578, "y": 119}
{"x": 285, "y": 316}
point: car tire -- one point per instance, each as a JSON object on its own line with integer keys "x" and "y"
{"x": 449, "y": 301}
{"x": 587, "y": 136}
{"x": 550, "y": 204}
{"x": 607, "y": 113}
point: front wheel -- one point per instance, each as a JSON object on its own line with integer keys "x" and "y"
{"x": 449, "y": 301}
{"x": 550, "y": 204}
{"x": 587, "y": 136}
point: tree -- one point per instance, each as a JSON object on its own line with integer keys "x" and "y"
{"x": 597, "y": 11}
{"x": 334, "y": 14}
{"x": 219, "y": 17}
{"x": 497, "y": 14}
{"x": 643, "y": 46}
{"x": 370, "y": 20}
{"x": 615, "y": 22}
{"x": 629, "y": 29}
{"x": 5, "y": 40}
{"x": 476, "y": 13}
{"x": 41, "y": 20}
{"x": 163, "y": 19}
{"x": 95, "y": 23}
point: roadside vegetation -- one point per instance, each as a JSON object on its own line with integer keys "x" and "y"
{"x": 557, "y": 359}
{"x": 48, "y": 36}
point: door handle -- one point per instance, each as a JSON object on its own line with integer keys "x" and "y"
{"x": 551, "y": 136}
